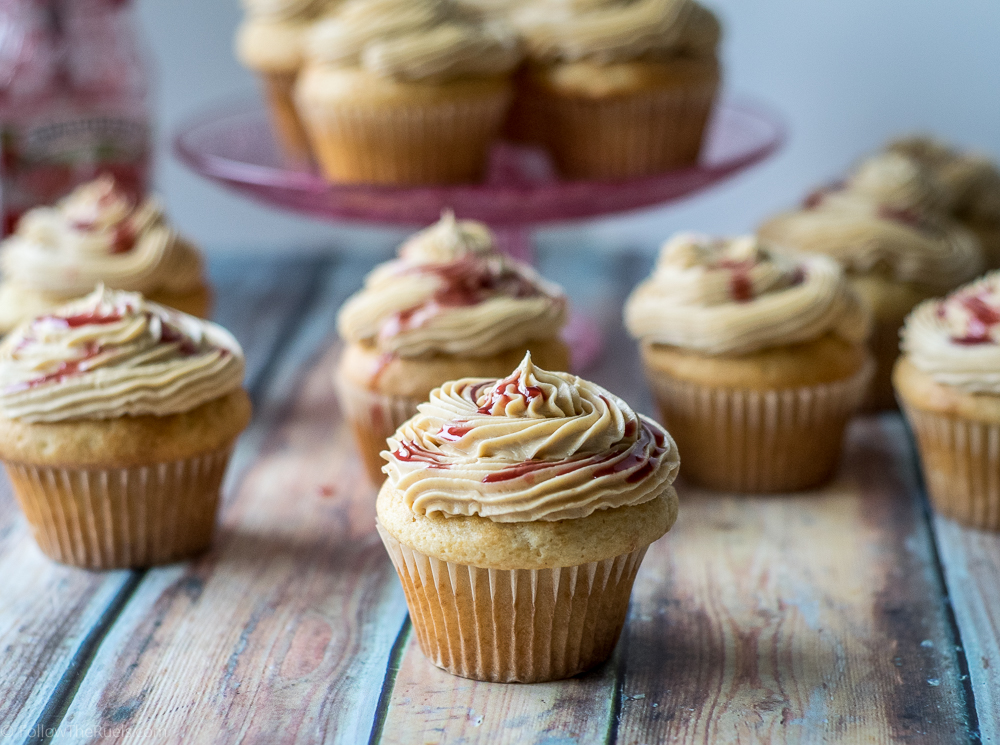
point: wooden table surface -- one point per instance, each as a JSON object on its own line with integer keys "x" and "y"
{"x": 849, "y": 614}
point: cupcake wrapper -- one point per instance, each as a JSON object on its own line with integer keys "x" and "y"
{"x": 620, "y": 137}
{"x": 759, "y": 441}
{"x": 112, "y": 518}
{"x": 373, "y": 417}
{"x": 430, "y": 144}
{"x": 960, "y": 459}
{"x": 285, "y": 122}
{"x": 515, "y": 625}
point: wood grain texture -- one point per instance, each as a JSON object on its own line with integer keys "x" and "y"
{"x": 48, "y": 611}
{"x": 281, "y": 633}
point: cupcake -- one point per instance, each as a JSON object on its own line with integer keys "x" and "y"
{"x": 405, "y": 91}
{"x": 97, "y": 234}
{"x": 117, "y": 418}
{"x": 516, "y": 512}
{"x": 616, "y": 88}
{"x": 756, "y": 359}
{"x": 451, "y": 306}
{"x": 887, "y": 227}
{"x": 271, "y": 42}
{"x": 972, "y": 188}
{"x": 948, "y": 382}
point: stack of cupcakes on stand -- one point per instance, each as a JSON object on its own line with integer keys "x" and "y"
{"x": 451, "y": 306}
{"x": 888, "y": 227}
{"x": 97, "y": 234}
{"x": 756, "y": 358}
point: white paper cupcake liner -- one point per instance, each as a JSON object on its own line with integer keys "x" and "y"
{"x": 516, "y": 625}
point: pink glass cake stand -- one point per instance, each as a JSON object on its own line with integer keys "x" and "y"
{"x": 233, "y": 145}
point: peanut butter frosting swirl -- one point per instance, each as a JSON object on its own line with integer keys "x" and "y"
{"x": 887, "y": 218}
{"x": 616, "y": 30}
{"x": 452, "y": 292}
{"x": 957, "y": 340}
{"x": 736, "y": 296}
{"x": 536, "y": 445}
{"x": 114, "y": 354}
{"x": 97, "y": 234}
{"x": 414, "y": 40}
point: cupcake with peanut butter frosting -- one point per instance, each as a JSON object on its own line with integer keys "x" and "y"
{"x": 450, "y": 306}
{"x": 756, "y": 358}
{"x": 887, "y": 226}
{"x": 948, "y": 383}
{"x": 617, "y": 88}
{"x": 516, "y": 511}
{"x": 117, "y": 418}
{"x": 405, "y": 91}
{"x": 97, "y": 234}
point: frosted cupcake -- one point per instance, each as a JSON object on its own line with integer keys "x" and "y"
{"x": 887, "y": 228}
{"x": 117, "y": 418}
{"x": 617, "y": 88}
{"x": 517, "y": 512}
{"x": 97, "y": 234}
{"x": 405, "y": 91}
{"x": 948, "y": 382}
{"x": 451, "y": 306}
{"x": 756, "y": 359}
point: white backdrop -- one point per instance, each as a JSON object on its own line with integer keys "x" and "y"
{"x": 845, "y": 74}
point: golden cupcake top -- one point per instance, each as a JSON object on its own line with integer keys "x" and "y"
{"x": 535, "y": 445}
{"x": 99, "y": 234}
{"x": 956, "y": 340}
{"x": 451, "y": 291}
{"x": 114, "y": 354}
{"x": 888, "y": 217}
{"x": 414, "y": 40}
{"x": 736, "y": 296}
{"x": 616, "y": 30}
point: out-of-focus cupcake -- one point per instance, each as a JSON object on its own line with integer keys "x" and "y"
{"x": 972, "y": 188}
{"x": 117, "y": 418}
{"x": 756, "y": 359}
{"x": 948, "y": 382}
{"x": 451, "y": 306}
{"x": 616, "y": 88}
{"x": 517, "y": 512}
{"x": 271, "y": 42}
{"x": 97, "y": 234}
{"x": 405, "y": 91}
{"x": 887, "y": 227}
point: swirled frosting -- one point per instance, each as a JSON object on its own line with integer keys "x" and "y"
{"x": 535, "y": 445}
{"x": 450, "y": 291}
{"x": 285, "y": 9}
{"x": 957, "y": 340}
{"x": 114, "y": 354}
{"x": 736, "y": 296}
{"x": 615, "y": 30}
{"x": 888, "y": 217}
{"x": 414, "y": 40}
{"x": 98, "y": 234}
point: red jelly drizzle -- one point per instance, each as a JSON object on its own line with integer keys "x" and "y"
{"x": 408, "y": 452}
{"x": 516, "y": 471}
{"x": 170, "y": 335}
{"x": 124, "y": 238}
{"x": 64, "y": 370}
{"x": 499, "y": 395}
{"x": 454, "y": 432}
{"x": 640, "y": 460}
{"x": 83, "y": 319}
{"x": 740, "y": 284}
{"x": 984, "y": 318}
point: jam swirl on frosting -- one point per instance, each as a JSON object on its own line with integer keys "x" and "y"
{"x": 98, "y": 234}
{"x": 736, "y": 296}
{"x": 536, "y": 445}
{"x": 450, "y": 291}
{"x": 957, "y": 340}
{"x": 114, "y": 354}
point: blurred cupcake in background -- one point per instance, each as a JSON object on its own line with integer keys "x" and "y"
{"x": 616, "y": 88}
{"x": 271, "y": 42}
{"x": 97, "y": 234}
{"x": 451, "y": 306}
{"x": 888, "y": 227}
{"x": 948, "y": 382}
{"x": 405, "y": 91}
{"x": 756, "y": 359}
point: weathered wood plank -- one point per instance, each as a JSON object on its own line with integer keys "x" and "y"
{"x": 282, "y": 632}
{"x": 52, "y": 615}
